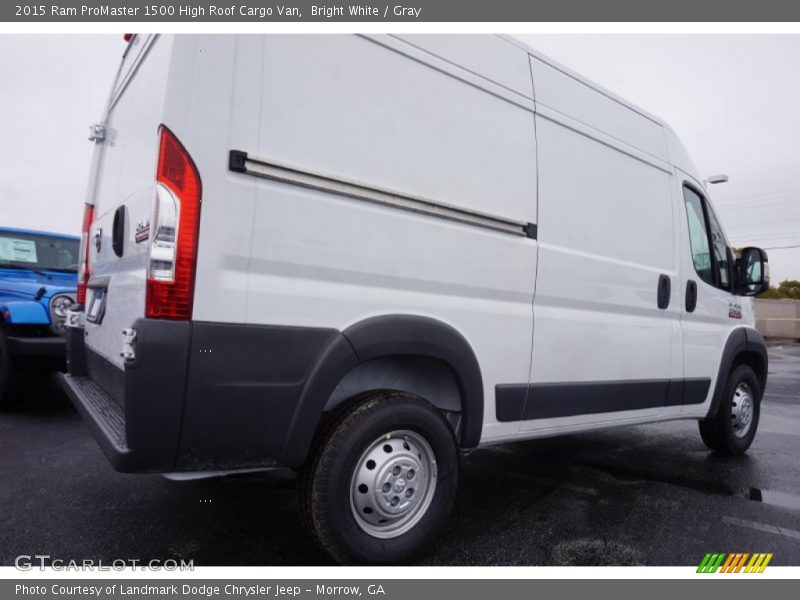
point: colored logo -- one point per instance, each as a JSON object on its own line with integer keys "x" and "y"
{"x": 734, "y": 310}
{"x": 737, "y": 562}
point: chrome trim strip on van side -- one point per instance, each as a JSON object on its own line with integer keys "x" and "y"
{"x": 240, "y": 162}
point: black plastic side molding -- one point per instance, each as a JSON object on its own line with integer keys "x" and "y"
{"x": 520, "y": 402}
{"x": 411, "y": 335}
{"x": 743, "y": 340}
{"x": 246, "y": 393}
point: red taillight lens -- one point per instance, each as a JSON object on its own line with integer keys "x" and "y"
{"x": 173, "y": 232}
{"x": 83, "y": 268}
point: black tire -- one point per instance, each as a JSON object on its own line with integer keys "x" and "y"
{"x": 708, "y": 433}
{"x": 7, "y": 373}
{"x": 722, "y": 433}
{"x": 325, "y": 485}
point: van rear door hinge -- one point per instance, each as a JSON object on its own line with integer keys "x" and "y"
{"x": 97, "y": 133}
{"x": 128, "y": 353}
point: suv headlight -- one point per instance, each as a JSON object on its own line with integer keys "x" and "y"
{"x": 59, "y": 305}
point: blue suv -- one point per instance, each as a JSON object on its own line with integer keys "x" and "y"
{"x": 38, "y": 279}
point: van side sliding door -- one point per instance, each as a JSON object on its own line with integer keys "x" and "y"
{"x": 606, "y": 322}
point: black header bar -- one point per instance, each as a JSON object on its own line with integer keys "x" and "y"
{"x": 419, "y": 11}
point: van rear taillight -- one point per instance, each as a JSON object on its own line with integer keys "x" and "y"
{"x": 83, "y": 268}
{"x": 173, "y": 232}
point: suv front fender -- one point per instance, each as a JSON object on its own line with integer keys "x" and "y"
{"x": 25, "y": 312}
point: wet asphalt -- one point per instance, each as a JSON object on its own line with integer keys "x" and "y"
{"x": 645, "y": 495}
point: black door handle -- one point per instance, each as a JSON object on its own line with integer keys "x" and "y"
{"x": 691, "y": 295}
{"x": 664, "y": 290}
{"x": 118, "y": 231}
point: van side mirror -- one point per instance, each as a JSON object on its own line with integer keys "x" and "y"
{"x": 753, "y": 272}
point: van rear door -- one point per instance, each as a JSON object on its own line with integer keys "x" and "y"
{"x": 122, "y": 189}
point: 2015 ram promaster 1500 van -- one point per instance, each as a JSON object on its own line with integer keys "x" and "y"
{"x": 354, "y": 256}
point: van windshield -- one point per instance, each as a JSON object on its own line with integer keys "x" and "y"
{"x": 38, "y": 252}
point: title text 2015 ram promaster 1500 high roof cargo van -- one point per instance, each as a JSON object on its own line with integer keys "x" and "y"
{"x": 355, "y": 256}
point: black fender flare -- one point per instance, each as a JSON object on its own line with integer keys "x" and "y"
{"x": 381, "y": 336}
{"x": 743, "y": 339}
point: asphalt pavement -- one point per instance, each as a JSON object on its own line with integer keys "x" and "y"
{"x": 645, "y": 495}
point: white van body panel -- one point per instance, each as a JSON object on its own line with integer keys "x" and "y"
{"x": 346, "y": 260}
{"x": 223, "y": 67}
{"x": 479, "y": 124}
{"x": 565, "y": 94}
{"x": 368, "y": 129}
{"x": 503, "y": 64}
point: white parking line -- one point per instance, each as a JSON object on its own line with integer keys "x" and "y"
{"x": 790, "y": 533}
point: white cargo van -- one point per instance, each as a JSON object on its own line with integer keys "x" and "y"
{"x": 355, "y": 256}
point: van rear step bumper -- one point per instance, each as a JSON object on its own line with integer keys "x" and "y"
{"x": 134, "y": 412}
{"x": 103, "y": 416}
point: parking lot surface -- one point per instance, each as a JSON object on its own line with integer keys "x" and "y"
{"x": 646, "y": 495}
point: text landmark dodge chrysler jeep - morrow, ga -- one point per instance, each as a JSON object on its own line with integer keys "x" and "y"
{"x": 353, "y": 256}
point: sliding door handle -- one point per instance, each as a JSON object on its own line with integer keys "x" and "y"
{"x": 691, "y": 295}
{"x": 664, "y": 291}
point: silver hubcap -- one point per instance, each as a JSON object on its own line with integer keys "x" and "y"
{"x": 393, "y": 484}
{"x": 742, "y": 410}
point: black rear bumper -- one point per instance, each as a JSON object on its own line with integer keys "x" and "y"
{"x": 104, "y": 417}
{"x": 205, "y": 396}
{"x": 135, "y": 414}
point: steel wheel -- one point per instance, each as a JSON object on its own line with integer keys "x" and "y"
{"x": 393, "y": 484}
{"x": 742, "y": 410}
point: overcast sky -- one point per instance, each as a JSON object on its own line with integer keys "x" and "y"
{"x": 733, "y": 100}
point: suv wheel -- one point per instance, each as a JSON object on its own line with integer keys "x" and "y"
{"x": 733, "y": 428}
{"x": 6, "y": 371}
{"x": 383, "y": 480}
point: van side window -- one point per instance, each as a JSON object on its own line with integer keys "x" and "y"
{"x": 698, "y": 235}
{"x": 720, "y": 247}
{"x": 710, "y": 252}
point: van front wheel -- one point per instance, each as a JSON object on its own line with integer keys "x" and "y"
{"x": 732, "y": 429}
{"x": 383, "y": 480}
